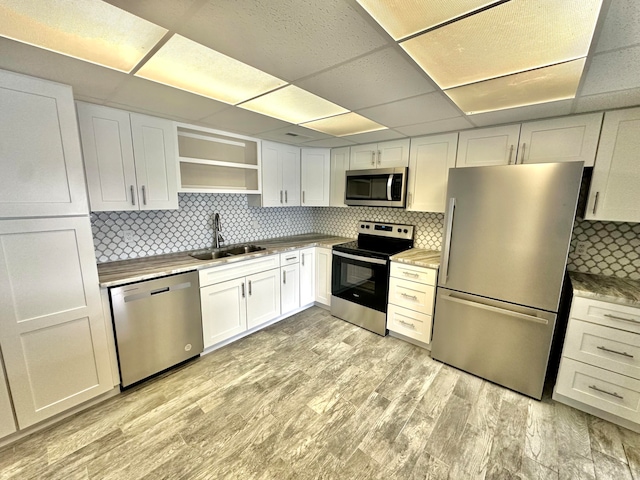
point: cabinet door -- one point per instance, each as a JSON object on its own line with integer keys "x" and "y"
{"x": 272, "y": 192}
{"x": 7, "y": 423}
{"x": 263, "y": 297}
{"x": 154, "y": 148}
{"x": 315, "y": 176}
{"x": 430, "y": 160}
{"x": 108, "y": 158}
{"x": 568, "y": 139}
{"x": 615, "y": 187}
{"x": 290, "y": 288}
{"x": 393, "y": 154}
{"x": 307, "y": 276}
{"x": 363, "y": 157}
{"x": 224, "y": 312}
{"x": 323, "y": 275}
{"x": 339, "y": 166}
{"x": 40, "y": 157}
{"x": 52, "y": 331}
{"x": 290, "y": 159}
{"x": 488, "y": 146}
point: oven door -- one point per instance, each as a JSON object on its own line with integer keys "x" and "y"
{"x": 362, "y": 280}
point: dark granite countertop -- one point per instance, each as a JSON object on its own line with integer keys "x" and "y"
{"x": 608, "y": 289}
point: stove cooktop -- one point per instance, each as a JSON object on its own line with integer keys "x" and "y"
{"x": 379, "y": 239}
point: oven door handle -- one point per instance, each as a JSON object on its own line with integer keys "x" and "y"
{"x": 389, "y": 184}
{"x": 362, "y": 259}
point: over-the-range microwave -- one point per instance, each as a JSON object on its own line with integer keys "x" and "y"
{"x": 381, "y": 187}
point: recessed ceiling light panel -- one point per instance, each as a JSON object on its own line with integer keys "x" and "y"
{"x": 89, "y": 30}
{"x": 347, "y": 124}
{"x": 294, "y": 105}
{"x": 548, "y": 84}
{"x": 190, "y": 66}
{"x": 402, "y": 18}
{"x": 509, "y": 38}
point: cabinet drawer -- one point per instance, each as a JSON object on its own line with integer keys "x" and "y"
{"x": 600, "y": 388}
{"x": 415, "y": 274}
{"x": 411, "y": 295}
{"x": 409, "y": 323}
{"x": 229, "y": 271}
{"x": 607, "y": 314}
{"x": 604, "y": 347}
{"x": 289, "y": 258}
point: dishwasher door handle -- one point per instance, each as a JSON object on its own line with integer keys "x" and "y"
{"x": 145, "y": 294}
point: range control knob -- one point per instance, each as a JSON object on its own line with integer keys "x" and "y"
{"x": 399, "y": 230}
{"x": 361, "y": 226}
{"x": 368, "y": 226}
{"x": 406, "y": 231}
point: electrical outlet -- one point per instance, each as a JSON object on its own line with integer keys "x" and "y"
{"x": 581, "y": 248}
{"x": 128, "y": 236}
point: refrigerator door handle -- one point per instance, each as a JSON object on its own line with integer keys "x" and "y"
{"x": 522, "y": 316}
{"x": 446, "y": 251}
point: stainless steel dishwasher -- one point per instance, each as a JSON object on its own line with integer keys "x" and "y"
{"x": 157, "y": 325}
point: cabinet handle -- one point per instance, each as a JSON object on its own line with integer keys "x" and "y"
{"x": 284, "y": 277}
{"x": 595, "y": 202}
{"x": 524, "y": 145}
{"x": 407, "y": 323}
{"x": 410, "y": 199}
{"x": 133, "y": 196}
{"x": 411, "y": 274}
{"x": 510, "y": 153}
{"x": 624, "y": 354}
{"x": 613, "y": 394}
{"x": 302, "y": 196}
{"x": 249, "y": 287}
{"x": 290, "y": 258}
{"x": 286, "y": 197}
{"x": 302, "y": 259}
{"x": 280, "y": 196}
{"x": 144, "y": 195}
{"x": 243, "y": 295}
{"x": 412, "y": 297}
{"x": 373, "y": 158}
{"x": 379, "y": 157}
{"x": 621, "y": 318}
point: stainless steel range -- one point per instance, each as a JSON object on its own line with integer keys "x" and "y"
{"x": 360, "y": 273}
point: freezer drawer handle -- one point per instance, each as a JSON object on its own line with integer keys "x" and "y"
{"x": 613, "y": 394}
{"x": 621, "y": 318}
{"x": 446, "y": 252}
{"x": 522, "y": 316}
{"x": 412, "y": 297}
{"x": 624, "y": 354}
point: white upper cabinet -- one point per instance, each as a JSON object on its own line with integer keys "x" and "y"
{"x": 615, "y": 186}
{"x": 130, "y": 159}
{"x": 339, "y": 167}
{"x": 40, "y": 156}
{"x": 567, "y": 139}
{"x": 380, "y": 155}
{"x": 488, "y": 146}
{"x": 315, "y": 176}
{"x": 280, "y": 176}
{"x": 430, "y": 159}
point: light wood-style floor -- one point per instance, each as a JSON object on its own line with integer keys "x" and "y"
{"x": 315, "y": 397}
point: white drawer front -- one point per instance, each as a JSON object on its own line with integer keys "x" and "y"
{"x": 409, "y": 323}
{"x": 605, "y": 347}
{"x": 289, "y": 258}
{"x": 600, "y": 388}
{"x": 608, "y": 314}
{"x": 229, "y": 271}
{"x": 415, "y": 274}
{"x": 411, "y": 295}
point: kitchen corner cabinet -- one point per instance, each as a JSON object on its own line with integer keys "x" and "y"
{"x": 290, "y": 279}
{"x": 280, "y": 176}
{"x": 307, "y": 276}
{"x": 380, "y": 155}
{"x": 323, "y": 275}
{"x": 40, "y": 157}
{"x": 338, "y": 168}
{"x": 430, "y": 159}
{"x": 615, "y": 186}
{"x": 52, "y": 331}
{"x": 315, "y": 176}
{"x": 130, "y": 159}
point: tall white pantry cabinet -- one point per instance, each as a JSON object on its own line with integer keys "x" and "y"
{"x": 52, "y": 331}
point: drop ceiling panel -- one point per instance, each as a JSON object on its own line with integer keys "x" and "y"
{"x": 288, "y": 38}
{"x": 236, "y": 119}
{"x": 520, "y": 114}
{"x": 424, "y": 108}
{"x": 342, "y": 125}
{"x": 166, "y": 13}
{"x": 304, "y": 135}
{"x": 611, "y": 71}
{"x": 371, "y": 137}
{"x": 377, "y": 78}
{"x": 621, "y": 27}
{"x": 439, "y": 126}
{"x": 608, "y": 101}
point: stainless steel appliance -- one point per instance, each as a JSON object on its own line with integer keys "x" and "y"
{"x": 360, "y": 274}
{"x": 382, "y": 187}
{"x": 507, "y": 235}
{"x": 157, "y": 325}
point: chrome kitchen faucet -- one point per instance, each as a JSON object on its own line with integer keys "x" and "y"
{"x": 217, "y": 237}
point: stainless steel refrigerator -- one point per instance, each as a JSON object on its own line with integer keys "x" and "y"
{"x": 506, "y": 241}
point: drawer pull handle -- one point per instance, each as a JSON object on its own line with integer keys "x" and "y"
{"x": 614, "y": 394}
{"x": 621, "y": 318}
{"x": 410, "y": 274}
{"x": 290, "y": 258}
{"x": 624, "y": 354}
{"x": 412, "y": 297}
{"x": 407, "y": 323}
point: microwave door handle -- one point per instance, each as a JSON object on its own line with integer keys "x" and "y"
{"x": 389, "y": 184}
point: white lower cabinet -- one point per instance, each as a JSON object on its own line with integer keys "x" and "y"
{"x": 224, "y": 312}
{"x": 307, "y": 276}
{"x": 7, "y": 422}
{"x": 323, "y": 275}
{"x": 290, "y": 288}
{"x": 263, "y": 297}
{"x": 411, "y": 300}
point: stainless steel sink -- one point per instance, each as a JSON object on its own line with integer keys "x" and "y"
{"x": 226, "y": 252}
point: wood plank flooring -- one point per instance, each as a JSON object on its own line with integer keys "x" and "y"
{"x": 314, "y": 397}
